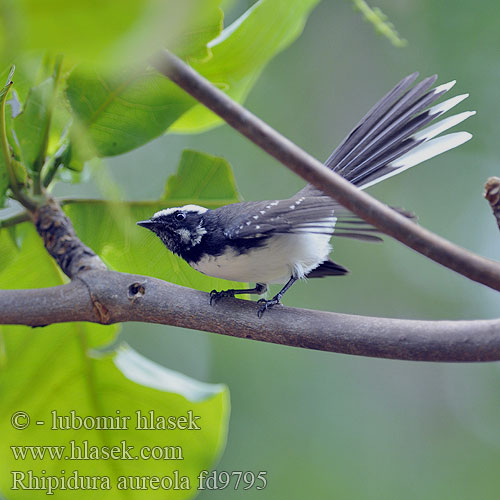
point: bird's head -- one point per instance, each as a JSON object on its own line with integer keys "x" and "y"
{"x": 180, "y": 228}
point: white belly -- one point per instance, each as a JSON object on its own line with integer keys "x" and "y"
{"x": 283, "y": 256}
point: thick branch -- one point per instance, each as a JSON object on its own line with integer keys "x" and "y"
{"x": 61, "y": 242}
{"x": 110, "y": 297}
{"x": 462, "y": 261}
{"x": 492, "y": 194}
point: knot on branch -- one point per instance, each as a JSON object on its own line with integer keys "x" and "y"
{"x": 492, "y": 194}
{"x": 136, "y": 291}
{"x": 61, "y": 242}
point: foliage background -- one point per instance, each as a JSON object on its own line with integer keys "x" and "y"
{"x": 334, "y": 426}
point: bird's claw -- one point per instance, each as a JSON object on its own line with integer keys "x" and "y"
{"x": 266, "y": 304}
{"x": 215, "y": 296}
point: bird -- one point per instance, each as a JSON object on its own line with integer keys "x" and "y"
{"x": 282, "y": 241}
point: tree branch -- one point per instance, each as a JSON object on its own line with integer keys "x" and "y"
{"x": 444, "y": 252}
{"x": 111, "y": 297}
{"x": 61, "y": 241}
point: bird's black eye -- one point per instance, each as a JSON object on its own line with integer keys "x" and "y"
{"x": 180, "y": 216}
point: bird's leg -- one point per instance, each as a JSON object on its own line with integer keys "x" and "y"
{"x": 266, "y": 304}
{"x": 215, "y": 296}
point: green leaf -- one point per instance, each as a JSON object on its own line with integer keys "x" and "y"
{"x": 110, "y": 229}
{"x": 202, "y": 177}
{"x": 117, "y": 111}
{"x": 105, "y": 33}
{"x": 146, "y": 372}
{"x": 50, "y": 369}
{"x": 242, "y": 51}
{"x": 204, "y": 23}
{"x": 31, "y": 124}
{"x": 120, "y": 113}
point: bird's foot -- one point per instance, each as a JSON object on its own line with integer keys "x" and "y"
{"x": 215, "y": 296}
{"x": 267, "y": 304}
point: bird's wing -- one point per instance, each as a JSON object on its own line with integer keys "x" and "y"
{"x": 316, "y": 214}
{"x": 395, "y": 134}
{"x": 295, "y": 215}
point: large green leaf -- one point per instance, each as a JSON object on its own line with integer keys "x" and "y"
{"x": 106, "y": 32}
{"x": 119, "y": 113}
{"x": 50, "y": 369}
{"x": 242, "y": 51}
{"x": 122, "y": 112}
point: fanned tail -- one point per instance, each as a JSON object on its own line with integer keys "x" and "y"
{"x": 397, "y": 134}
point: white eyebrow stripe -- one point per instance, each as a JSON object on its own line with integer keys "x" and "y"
{"x": 194, "y": 208}
{"x": 185, "y": 208}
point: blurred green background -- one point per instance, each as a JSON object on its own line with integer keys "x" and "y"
{"x": 336, "y": 426}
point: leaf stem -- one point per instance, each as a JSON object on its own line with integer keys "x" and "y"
{"x": 40, "y": 160}
{"x": 14, "y": 220}
{"x": 50, "y": 169}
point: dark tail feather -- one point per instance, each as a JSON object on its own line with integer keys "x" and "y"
{"x": 328, "y": 268}
{"x": 350, "y": 226}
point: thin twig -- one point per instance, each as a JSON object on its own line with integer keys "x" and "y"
{"x": 448, "y": 254}
{"x": 15, "y": 219}
{"x": 380, "y": 22}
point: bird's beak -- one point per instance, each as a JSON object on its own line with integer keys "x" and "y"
{"x": 148, "y": 224}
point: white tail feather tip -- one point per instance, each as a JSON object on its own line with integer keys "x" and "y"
{"x": 445, "y": 106}
{"x": 441, "y": 126}
{"x": 430, "y": 149}
{"x": 444, "y": 87}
